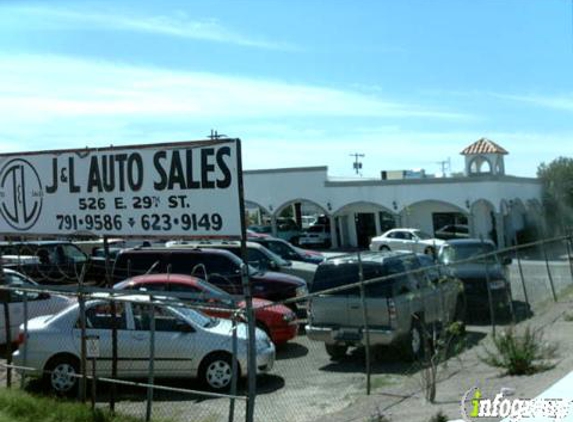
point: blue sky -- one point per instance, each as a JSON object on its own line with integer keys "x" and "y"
{"x": 301, "y": 82}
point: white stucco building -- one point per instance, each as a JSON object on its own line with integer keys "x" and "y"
{"x": 493, "y": 204}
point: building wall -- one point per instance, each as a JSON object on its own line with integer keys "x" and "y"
{"x": 412, "y": 201}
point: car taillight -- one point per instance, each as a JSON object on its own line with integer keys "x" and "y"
{"x": 21, "y": 338}
{"x": 391, "y": 310}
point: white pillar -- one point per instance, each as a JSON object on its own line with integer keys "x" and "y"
{"x": 333, "y": 239}
{"x": 274, "y": 225}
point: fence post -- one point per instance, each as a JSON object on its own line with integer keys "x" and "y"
{"x": 8, "y": 341}
{"x": 251, "y": 346}
{"x": 488, "y": 287}
{"x": 544, "y": 249}
{"x": 365, "y": 321}
{"x": 234, "y": 365}
{"x": 108, "y": 283}
{"x": 568, "y": 242}
{"x": 25, "y": 349}
{"x": 114, "y": 356}
{"x": 151, "y": 378}
{"x": 83, "y": 346}
{"x": 522, "y": 278}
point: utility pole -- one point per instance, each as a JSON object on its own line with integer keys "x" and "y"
{"x": 445, "y": 164}
{"x": 357, "y": 165}
{"x": 214, "y": 135}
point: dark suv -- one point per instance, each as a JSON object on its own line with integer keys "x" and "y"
{"x": 217, "y": 266}
{"x": 476, "y": 263}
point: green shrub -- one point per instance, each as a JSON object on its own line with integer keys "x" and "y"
{"x": 18, "y": 406}
{"x": 520, "y": 353}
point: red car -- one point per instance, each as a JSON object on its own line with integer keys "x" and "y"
{"x": 278, "y": 321}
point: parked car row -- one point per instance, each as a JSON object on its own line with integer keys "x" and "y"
{"x": 401, "y": 307}
{"x": 187, "y": 344}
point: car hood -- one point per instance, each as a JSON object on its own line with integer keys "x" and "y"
{"x": 225, "y": 328}
{"x": 477, "y": 270}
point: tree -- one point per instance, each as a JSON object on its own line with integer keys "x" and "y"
{"x": 557, "y": 195}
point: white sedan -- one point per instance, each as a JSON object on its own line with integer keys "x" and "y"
{"x": 187, "y": 344}
{"x": 406, "y": 239}
{"x": 38, "y": 303}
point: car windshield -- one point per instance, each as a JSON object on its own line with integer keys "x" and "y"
{"x": 278, "y": 259}
{"x": 453, "y": 253}
{"x": 214, "y": 291}
{"x": 195, "y": 317}
{"x": 283, "y": 249}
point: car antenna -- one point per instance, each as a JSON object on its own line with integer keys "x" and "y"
{"x": 155, "y": 264}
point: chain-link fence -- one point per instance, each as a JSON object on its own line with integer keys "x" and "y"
{"x": 140, "y": 353}
{"x": 377, "y": 323}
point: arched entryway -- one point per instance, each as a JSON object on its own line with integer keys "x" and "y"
{"x": 358, "y": 222}
{"x": 437, "y": 218}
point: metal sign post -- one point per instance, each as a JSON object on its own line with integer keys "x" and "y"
{"x": 251, "y": 348}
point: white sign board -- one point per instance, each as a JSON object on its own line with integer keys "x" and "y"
{"x": 182, "y": 189}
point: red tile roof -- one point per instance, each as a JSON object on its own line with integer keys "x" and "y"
{"x": 483, "y": 146}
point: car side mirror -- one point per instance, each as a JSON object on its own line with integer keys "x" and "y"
{"x": 506, "y": 260}
{"x": 273, "y": 266}
{"x": 43, "y": 296}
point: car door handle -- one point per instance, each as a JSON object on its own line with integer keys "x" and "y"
{"x": 139, "y": 337}
{"x": 354, "y": 306}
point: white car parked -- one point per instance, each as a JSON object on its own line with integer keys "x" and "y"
{"x": 38, "y": 303}
{"x": 413, "y": 240}
{"x": 187, "y": 344}
{"x": 317, "y": 235}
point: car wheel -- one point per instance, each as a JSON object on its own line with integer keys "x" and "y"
{"x": 61, "y": 375}
{"x": 336, "y": 351}
{"x": 216, "y": 371}
{"x": 384, "y": 248}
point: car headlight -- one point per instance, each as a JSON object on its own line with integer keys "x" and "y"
{"x": 289, "y": 317}
{"x": 301, "y": 291}
{"x": 497, "y": 284}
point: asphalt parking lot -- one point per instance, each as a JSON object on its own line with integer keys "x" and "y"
{"x": 303, "y": 385}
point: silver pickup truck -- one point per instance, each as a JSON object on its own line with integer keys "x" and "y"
{"x": 399, "y": 307}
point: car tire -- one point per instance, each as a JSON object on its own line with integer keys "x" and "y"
{"x": 336, "y": 351}
{"x": 61, "y": 375}
{"x": 384, "y": 248}
{"x": 216, "y": 371}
